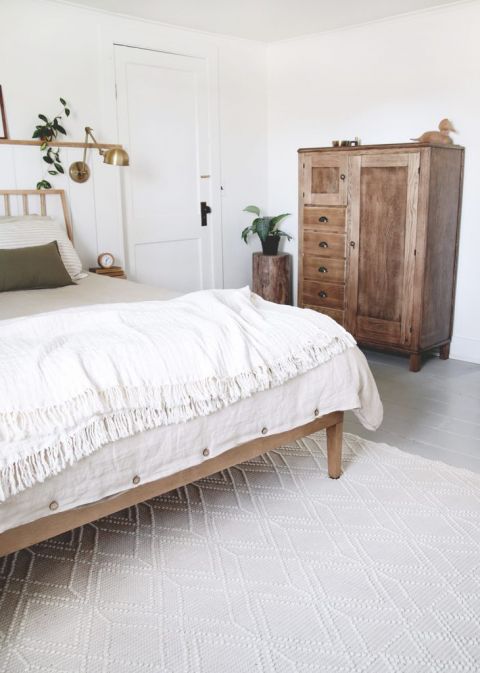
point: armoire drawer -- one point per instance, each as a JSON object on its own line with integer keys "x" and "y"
{"x": 323, "y": 294}
{"x": 335, "y": 313}
{"x": 325, "y": 244}
{"x": 324, "y": 269}
{"x": 324, "y": 219}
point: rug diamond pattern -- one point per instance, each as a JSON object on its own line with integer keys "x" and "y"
{"x": 269, "y": 567}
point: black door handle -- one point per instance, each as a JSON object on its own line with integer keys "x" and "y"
{"x": 204, "y": 211}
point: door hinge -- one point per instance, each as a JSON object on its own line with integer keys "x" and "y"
{"x": 116, "y": 91}
{"x": 415, "y": 252}
{"x": 303, "y": 194}
{"x": 419, "y": 169}
{"x": 411, "y": 329}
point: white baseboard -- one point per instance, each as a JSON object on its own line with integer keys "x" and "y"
{"x": 465, "y": 348}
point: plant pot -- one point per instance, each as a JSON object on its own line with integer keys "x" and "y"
{"x": 270, "y": 245}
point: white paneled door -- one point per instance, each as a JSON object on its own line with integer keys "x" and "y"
{"x": 164, "y": 122}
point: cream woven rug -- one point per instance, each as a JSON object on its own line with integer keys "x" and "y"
{"x": 268, "y": 567}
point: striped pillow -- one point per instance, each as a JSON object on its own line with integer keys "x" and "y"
{"x": 28, "y": 230}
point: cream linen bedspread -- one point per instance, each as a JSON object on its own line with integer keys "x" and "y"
{"x": 343, "y": 383}
{"x": 76, "y": 379}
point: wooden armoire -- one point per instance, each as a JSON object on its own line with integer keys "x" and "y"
{"x": 378, "y": 237}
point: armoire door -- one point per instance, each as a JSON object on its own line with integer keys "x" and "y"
{"x": 381, "y": 244}
{"x": 325, "y": 179}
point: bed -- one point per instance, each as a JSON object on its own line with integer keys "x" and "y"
{"x": 135, "y": 468}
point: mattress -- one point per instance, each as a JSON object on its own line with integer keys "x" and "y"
{"x": 94, "y": 289}
{"x": 343, "y": 383}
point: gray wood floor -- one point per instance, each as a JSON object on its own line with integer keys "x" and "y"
{"x": 434, "y": 413}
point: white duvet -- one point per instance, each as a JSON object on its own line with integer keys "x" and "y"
{"x": 76, "y": 379}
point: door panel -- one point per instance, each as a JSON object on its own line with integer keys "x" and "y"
{"x": 163, "y": 116}
{"x": 325, "y": 179}
{"x": 383, "y": 230}
{"x": 156, "y": 264}
{"x": 383, "y": 203}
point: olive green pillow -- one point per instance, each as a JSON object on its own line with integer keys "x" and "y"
{"x": 32, "y": 268}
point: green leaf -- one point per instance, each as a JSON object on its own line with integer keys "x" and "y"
{"x": 278, "y": 218}
{"x": 38, "y": 133}
{"x": 63, "y": 101}
{"x": 59, "y": 168}
{"x": 61, "y": 129}
{"x": 254, "y": 224}
{"x": 52, "y": 173}
{"x": 43, "y": 118}
{"x": 252, "y": 209}
{"x": 245, "y": 233}
{"x": 279, "y": 232}
{"x": 67, "y": 112}
{"x": 48, "y": 159}
{"x": 43, "y": 146}
{"x": 263, "y": 227}
{"x": 44, "y": 184}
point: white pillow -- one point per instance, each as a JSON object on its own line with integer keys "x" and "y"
{"x": 28, "y": 230}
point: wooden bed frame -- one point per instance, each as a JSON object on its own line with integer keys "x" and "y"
{"x": 55, "y": 524}
{"x": 23, "y": 536}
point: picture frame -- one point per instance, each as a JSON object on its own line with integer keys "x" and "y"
{"x": 3, "y": 118}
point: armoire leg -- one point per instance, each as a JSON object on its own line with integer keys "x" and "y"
{"x": 415, "y": 362}
{"x": 445, "y": 351}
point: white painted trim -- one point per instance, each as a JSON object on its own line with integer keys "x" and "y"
{"x": 160, "y": 24}
{"x": 465, "y": 348}
{"x": 364, "y": 24}
{"x": 230, "y": 36}
{"x": 186, "y": 45}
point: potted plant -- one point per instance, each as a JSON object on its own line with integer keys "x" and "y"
{"x": 266, "y": 228}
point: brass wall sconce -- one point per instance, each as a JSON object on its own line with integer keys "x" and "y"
{"x": 114, "y": 156}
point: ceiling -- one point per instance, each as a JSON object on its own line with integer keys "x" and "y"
{"x": 265, "y": 20}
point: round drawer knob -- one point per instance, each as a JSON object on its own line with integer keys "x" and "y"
{"x": 323, "y": 244}
{"x": 136, "y": 479}
{"x": 342, "y": 176}
{"x": 264, "y": 431}
{"x": 206, "y": 452}
{"x": 53, "y": 505}
{"x": 322, "y": 269}
{"x": 316, "y": 412}
{"x": 322, "y": 294}
{"x": 323, "y": 219}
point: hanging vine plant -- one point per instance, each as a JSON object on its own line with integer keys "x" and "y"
{"x": 47, "y": 132}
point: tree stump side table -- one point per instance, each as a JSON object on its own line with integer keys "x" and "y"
{"x": 272, "y": 277}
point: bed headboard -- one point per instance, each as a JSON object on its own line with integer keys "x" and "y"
{"x": 34, "y": 200}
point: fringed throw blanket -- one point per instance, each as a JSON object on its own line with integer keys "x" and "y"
{"x": 74, "y": 380}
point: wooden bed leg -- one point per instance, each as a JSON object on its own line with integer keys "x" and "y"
{"x": 334, "y": 449}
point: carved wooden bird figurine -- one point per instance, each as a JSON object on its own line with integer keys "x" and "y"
{"x": 440, "y": 137}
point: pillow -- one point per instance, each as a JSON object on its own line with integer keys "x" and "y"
{"x": 31, "y": 230}
{"x": 32, "y": 268}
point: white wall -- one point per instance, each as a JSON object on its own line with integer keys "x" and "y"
{"x": 49, "y": 50}
{"x": 385, "y": 82}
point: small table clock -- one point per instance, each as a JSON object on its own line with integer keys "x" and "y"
{"x": 105, "y": 260}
